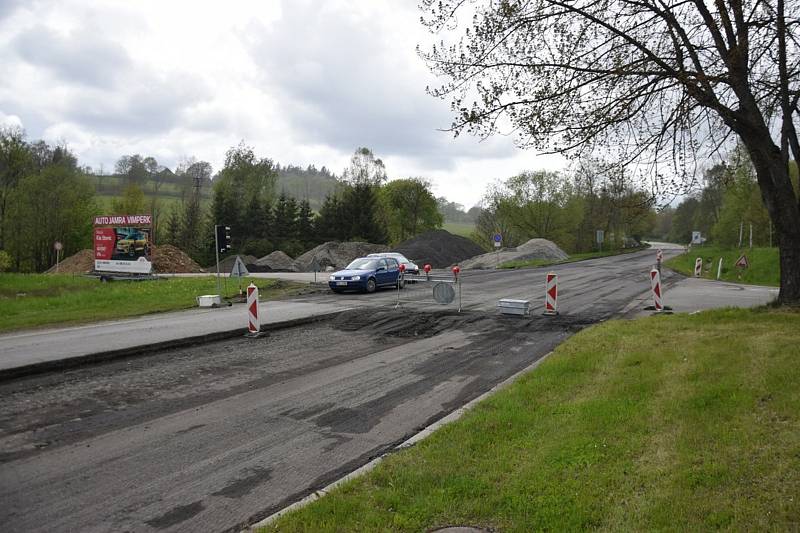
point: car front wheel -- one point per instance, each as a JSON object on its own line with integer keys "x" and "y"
{"x": 370, "y": 285}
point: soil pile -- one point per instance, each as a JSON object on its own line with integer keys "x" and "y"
{"x": 277, "y": 261}
{"x": 80, "y": 263}
{"x": 533, "y": 249}
{"x": 439, "y": 248}
{"x": 166, "y": 259}
{"x": 171, "y": 259}
{"x": 336, "y": 255}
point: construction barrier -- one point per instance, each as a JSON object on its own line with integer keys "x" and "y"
{"x": 655, "y": 285}
{"x": 253, "y": 325}
{"x": 698, "y": 267}
{"x": 551, "y": 294}
{"x": 445, "y": 289}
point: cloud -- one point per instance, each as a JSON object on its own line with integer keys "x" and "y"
{"x": 350, "y": 78}
{"x": 86, "y": 57}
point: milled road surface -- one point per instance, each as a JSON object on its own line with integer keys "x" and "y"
{"x": 215, "y": 437}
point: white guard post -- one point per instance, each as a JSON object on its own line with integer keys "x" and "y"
{"x": 551, "y": 294}
{"x": 655, "y": 285}
{"x": 253, "y": 324}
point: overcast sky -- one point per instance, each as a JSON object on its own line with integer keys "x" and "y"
{"x": 303, "y": 82}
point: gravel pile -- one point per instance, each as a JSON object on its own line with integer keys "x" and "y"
{"x": 439, "y": 248}
{"x": 533, "y": 249}
{"x": 226, "y": 265}
{"x": 277, "y": 261}
{"x": 336, "y": 255}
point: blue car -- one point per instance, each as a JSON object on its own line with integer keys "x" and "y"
{"x": 367, "y": 274}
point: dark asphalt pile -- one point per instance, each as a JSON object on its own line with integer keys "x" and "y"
{"x": 277, "y": 261}
{"x": 439, "y": 248}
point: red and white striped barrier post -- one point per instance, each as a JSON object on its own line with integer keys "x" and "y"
{"x": 253, "y": 325}
{"x": 551, "y": 294}
{"x": 655, "y": 285}
{"x": 698, "y": 267}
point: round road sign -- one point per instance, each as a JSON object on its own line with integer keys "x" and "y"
{"x": 443, "y": 293}
{"x": 58, "y": 246}
{"x": 498, "y": 237}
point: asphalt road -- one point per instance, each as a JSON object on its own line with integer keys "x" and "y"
{"x": 215, "y": 437}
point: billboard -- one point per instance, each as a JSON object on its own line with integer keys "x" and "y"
{"x": 122, "y": 243}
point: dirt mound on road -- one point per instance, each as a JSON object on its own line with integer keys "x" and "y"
{"x": 336, "y": 255}
{"x": 533, "y": 249}
{"x": 80, "y": 263}
{"x": 171, "y": 259}
{"x": 439, "y": 248}
{"x": 277, "y": 261}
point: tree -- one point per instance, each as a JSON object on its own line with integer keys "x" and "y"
{"x": 661, "y": 84}
{"x": 364, "y": 168}
{"x": 243, "y": 177}
{"x": 55, "y": 204}
{"x": 305, "y": 225}
{"x": 410, "y": 208}
{"x": 15, "y": 162}
{"x": 132, "y": 201}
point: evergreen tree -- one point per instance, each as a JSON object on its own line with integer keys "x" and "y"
{"x": 305, "y": 224}
{"x": 362, "y": 214}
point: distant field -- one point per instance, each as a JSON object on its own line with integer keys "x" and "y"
{"x": 464, "y": 229}
{"x": 32, "y": 300}
{"x": 764, "y": 264}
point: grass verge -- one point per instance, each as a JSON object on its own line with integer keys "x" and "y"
{"x": 764, "y": 264}
{"x": 33, "y": 300}
{"x": 531, "y": 263}
{"x": 665, "y": 423}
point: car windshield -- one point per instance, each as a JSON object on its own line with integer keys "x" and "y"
{"x": 363, "y": 264}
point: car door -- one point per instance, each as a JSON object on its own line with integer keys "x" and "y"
{"x": 392, "y": 271}
{"x": 381, "y": 273}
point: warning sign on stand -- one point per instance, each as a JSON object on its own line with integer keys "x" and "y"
{"x": 239, "y": 270}
{"x": 742, "y": 262}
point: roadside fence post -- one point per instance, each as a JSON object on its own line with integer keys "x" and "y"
{"x": 551, "y": 294}
{"x": 719, "y": 268}
{"x": 456, "y": 270}
{"x": 253, "y": 324}
{"x": 402, "y": 269}
{"x": 655, "y": 285}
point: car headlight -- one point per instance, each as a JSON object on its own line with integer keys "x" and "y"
{"x": 356, "y": 278}
{"x": 332, "y": 278}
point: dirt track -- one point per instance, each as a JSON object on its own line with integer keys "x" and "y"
{"x": 214, "y": 437}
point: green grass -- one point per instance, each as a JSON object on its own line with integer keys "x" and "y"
{"x": 34, "y": 300}
{"x": 688, "y": 423}
{"x": 464, "y": 229}
{"x": 764, "y": 264}
{"x": 531, "y": 263}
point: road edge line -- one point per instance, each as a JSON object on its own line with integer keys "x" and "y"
{"x": 414, "y": 439}
{"x": 8, "y": 374}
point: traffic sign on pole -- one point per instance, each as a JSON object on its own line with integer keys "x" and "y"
{"x": 498, "y": 240}
{"x": 239, "y": 270}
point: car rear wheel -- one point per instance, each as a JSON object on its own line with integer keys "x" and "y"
{"x": 371, "y": 285}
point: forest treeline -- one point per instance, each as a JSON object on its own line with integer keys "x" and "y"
{"x": 46, "y": 196}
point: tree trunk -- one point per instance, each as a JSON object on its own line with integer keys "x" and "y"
{"x": 782, "y": 205}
